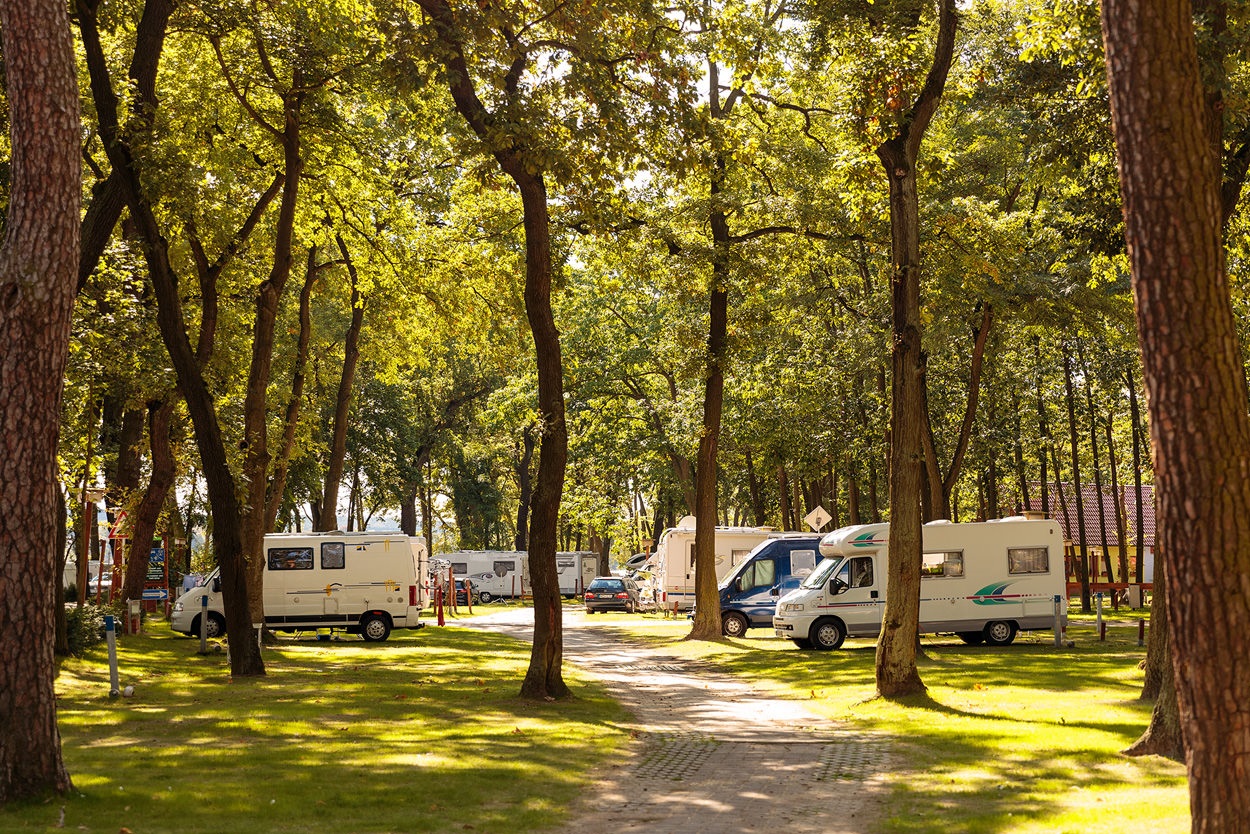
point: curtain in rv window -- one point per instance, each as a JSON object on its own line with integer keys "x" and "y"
{"x": 332, "y": 557}
{"x": 1028, "y": 560}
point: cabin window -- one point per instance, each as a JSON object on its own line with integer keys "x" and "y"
{"x": 332, "y": 557}
{"x": 802, "y": 562}
{"x": 855, "y": 573}
{"x": 761, "y": 574}
{"x": 942, "y": 563}
{"x": 692, "y": 555}
{"x": 291, "y": 558}
{"x": 503, "y": 568}
{"x": 460, "y": 568}
{"x": 1028, "y": 560}
{"x": 737, "y": 556}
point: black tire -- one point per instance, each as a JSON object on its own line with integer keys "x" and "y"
{"x": 216, "y": 626}
{"x": 374, "y": 628}
{"x": 1000, "y": 632}
{"x": 484, "y": 597}
{"x": 972, "y": 638}
{"x": 629, "y": 606}
{"x": 590, "y": 610}
{"x": 827, "y": 634}
{"x": 734, "y": 624}
{"x": 802, "y": 642}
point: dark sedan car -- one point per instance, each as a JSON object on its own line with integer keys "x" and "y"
{"x": 612, "y": 593}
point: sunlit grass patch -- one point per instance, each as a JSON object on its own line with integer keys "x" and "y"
{"x": 424, "y": 732}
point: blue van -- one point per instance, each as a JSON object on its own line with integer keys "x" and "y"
{"x": 749, "y": 593}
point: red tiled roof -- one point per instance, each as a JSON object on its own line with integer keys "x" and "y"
{"x": 1089, "y": 506}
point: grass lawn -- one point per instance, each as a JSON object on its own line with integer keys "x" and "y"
{"x": 1024, "y": 738}
{"x": 421, "y": 733}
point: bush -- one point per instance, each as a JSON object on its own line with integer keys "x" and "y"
{"x": 84, "y": 626}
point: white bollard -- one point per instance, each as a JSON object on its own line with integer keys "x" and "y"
{"x": 1102, "y": 634}
{"x": 204, "y": 624}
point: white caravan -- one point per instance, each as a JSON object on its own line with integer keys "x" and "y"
{"x": 362, "y": 583}
{"x": 576, "y": 570}
{"x": 673, "y": 562}
{"x": 983, "y": 581}
{"x": 494, "y": 573}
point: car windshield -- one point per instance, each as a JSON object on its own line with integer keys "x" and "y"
{"x": 606, "y": 585}
{"x": 823, "y": 571}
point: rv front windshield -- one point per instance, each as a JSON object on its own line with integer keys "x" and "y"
{"x": 822, "y": 572}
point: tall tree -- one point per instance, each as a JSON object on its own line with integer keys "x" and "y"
{"x": 1200, "y": 428}
{"x": 38, "y": 268}
{"x": 897, "y": 674}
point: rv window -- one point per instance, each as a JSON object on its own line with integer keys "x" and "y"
{"x": 332, "y": 556}
{"x": 942, "y": 563}
{"x": 291, "y": 558}
{"x": 802, "y": 562}
{"x": 460, "y": 568}
{"x": 736, "y": 557}
{"x": 1028, "y": 560}
{"x": 761, "y": 574}
{"x": 504, "y": 568}
{"x": 861, "y": 572}
{"x": 561, "y": 564}
{"x": 692, "y": 555}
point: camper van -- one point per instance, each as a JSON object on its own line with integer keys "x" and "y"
{"x": 576, "y": 570}
{"x": 362, "y": 583}
{"x": 673, "y": 562}
{"x": 495, "y": 574}
{"x": 982, "y": 581}
{"x": 748, "y": 595}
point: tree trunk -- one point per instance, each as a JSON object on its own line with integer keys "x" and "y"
{"x": 1135, "y": 415}
{"x": 342, "y": 403}
{"x": 282, "y": 463}
{"x": 1121, "y": 523}
{"x": 38, "y": 264}
{"x": 757, "y": 500}
{"x": 148, "y": 512}
{"x": 783, "y": 492}
{"x": 1093, "y": 445}
{"x": 1078, "y": 535}
{"x": 245, "y": 659}
{"x": 897, "y": 674}
{"x": 1195, "y": 381}
{"x": 1163, "y": 735}
{"x": 1043, "y": 430}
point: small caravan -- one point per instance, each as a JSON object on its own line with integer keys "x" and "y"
{"x": 362, "y": 583}
{"x": 983, "y": 581}
{"x": 674, "y": 559}
{"x": 494, "y": 573}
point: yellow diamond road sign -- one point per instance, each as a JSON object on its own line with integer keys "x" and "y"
{"x": 818, "y": 518}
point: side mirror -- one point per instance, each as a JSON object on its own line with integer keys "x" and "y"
{"x": 216, "y": 584}
{"x": 775, "y": 591}
{"x": 837, "y": 586}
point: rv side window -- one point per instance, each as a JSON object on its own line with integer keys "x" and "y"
{"x": 856, "y": 573}
{"x": 761, "y": 574}
{"x": 504, "y": 568}
{"x": 1028, "y": 560}
{"x": 692, "y": 555}
{"x": 459, "y": 568}
{"x": 802, "y": 562}
{"x": 942, "y": 563}
{"x": 736, "y": 557}
{"x": 332, "y": 557}
{"x": 291, "y": 558}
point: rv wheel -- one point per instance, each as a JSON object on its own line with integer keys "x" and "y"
{"x": 733, "y": 625}
{"x": 484, "y": 596}
{"x": 1000, "y": 633}
{"x": 827, "y": 634}
{"x": 374, "y": 628}
{"x": 972, "y": 638}
{"x": 216, "y": 626}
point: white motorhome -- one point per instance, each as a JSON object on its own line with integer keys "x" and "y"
{"x": 982, "y": 581}
{"x": 362, "y": 583}
{"x": 576, "y": 570}
{"x": 494, "y": 573}
{"x": 673, "y": 562}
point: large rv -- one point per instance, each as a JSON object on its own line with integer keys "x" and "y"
{"x": 983, "y": 581}
{"x": 362, "y": 583}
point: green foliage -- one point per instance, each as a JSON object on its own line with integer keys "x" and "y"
{"x": 84, "y": 626}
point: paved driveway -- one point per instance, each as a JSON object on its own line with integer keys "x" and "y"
{"x": 710, "y": 752}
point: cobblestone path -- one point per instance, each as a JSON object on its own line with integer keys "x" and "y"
{"x": 711, "y": 754}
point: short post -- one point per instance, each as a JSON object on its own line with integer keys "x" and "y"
{"x": 134, "y": 616}
{"x": 1058, "y": 621}
{"x": 468, "y": 594}
{"x": 204, "y": 624}
{"x": 1141, "y": 632}
{"x": 110, "y": 631}
{"x": 1102, "y": 629}
{"x": 438, "y": 605}
{"x": 260, "y": 643}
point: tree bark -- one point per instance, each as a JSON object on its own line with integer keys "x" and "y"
{"x": 1078, "y": 535}
{"x": 896, "y": 671}
{"x": 1163, "y": 736}
{"x": 342, "y": 403}
{"x": 1135, "y": 416}
{"x": 148, "y": 511}
{"x": 525, "y": 488}
{"x": 1196, "y": 386}
{"x": 38, "y": 263}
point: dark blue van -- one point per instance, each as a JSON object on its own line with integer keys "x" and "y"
{"x": 749, "y": 593}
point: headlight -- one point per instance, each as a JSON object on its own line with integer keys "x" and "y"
{"x": 792, "y": 607}
{"x": 178, "y": 607}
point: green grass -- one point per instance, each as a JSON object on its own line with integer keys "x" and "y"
{"x": 1025, "y": 738}
{"x": 421, "y": 733}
